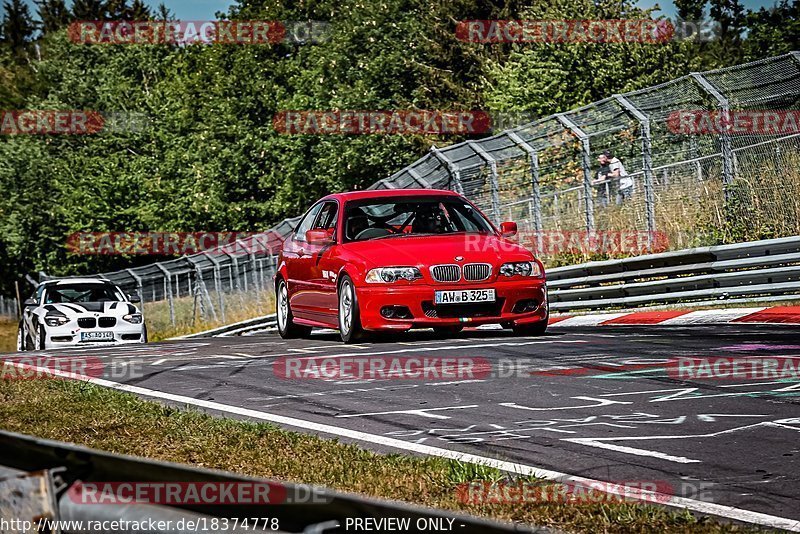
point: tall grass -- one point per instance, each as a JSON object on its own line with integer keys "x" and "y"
{"x": 188, "y": 318}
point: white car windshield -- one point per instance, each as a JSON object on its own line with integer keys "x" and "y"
{"x": 67, "y": 293}
{"x": 377, "y": 219}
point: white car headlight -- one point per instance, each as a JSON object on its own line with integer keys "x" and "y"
{"x": 387, "y": 275}
{"x": 55, "y": 320}
{"x": 134, "y": 318}
{"x": 521, "y": 268}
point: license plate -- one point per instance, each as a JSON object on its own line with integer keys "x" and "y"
{"x": 464, "y": 296}
{"x": 97, "y": 336}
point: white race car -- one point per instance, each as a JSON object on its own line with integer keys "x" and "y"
{"x": 71, "y": 312}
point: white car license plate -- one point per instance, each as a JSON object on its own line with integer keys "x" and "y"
{"x": 464, "y": 296}
{"x": 97, "y": 336}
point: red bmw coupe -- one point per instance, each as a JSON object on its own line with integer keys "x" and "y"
{"x": 402, "y": 259}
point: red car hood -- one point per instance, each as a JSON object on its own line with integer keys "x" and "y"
{"x": 437, "y": 249}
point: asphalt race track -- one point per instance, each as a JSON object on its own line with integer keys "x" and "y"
{"x": 593, "y": 402}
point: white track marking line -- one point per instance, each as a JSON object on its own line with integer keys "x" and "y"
{"x": 423, "y": 412}
{"x": 632, "y": 450}
{"x": 702, "y": 507}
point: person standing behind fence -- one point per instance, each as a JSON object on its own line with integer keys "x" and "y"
{"x": 617, "y": 171}
{"x": 602, "y": 180}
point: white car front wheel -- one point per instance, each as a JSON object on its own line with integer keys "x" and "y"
{"x": 22, "y": 343}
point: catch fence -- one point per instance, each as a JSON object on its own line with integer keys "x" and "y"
{"x": 690, "y": 187}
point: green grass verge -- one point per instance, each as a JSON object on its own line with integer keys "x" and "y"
{"x": 123, "y": 423}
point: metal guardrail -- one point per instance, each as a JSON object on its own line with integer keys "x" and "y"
{"x": 757, "y": 270}
{"x": 55, "y": 467}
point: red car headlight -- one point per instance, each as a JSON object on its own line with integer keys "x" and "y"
{"x": 521, "y": 268}
{"x": 387, "y": 275}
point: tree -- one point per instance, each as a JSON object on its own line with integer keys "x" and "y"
{"x": 18, "y": 25}
{"x": 88, "y": 9}
{"x": 139, "y": 11}
{"x": 53, "y": 15}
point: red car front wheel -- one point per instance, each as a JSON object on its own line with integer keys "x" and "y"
{"x": 349, "y": 317}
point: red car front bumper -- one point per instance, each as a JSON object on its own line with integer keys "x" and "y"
{"x": 509, "y": 306}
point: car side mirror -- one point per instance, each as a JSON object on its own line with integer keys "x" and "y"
{"x": 134, "y": 298}
{"x": 319, "y": 237}
{"x": 508, "y": 229}
{"x": 29, "y": 303}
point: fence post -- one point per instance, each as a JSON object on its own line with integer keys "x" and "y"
{"x": 418, "y": 178}
{"x": 537, "y": 194}
{"x": 233, "y": 270}
{"x": 647, "y": 166}
{"x": 694, "y": 153}
{"x": 200, "y": 286}
{"x": 455, "y": 174}
{"x": 494, "y": 186}
{"x": 217, "y": 284}
{"x": 139, "y": 288}
{"x": 724, "y": 137}
{"x": 587, "y": 169}
{"x": 168, "y": 291}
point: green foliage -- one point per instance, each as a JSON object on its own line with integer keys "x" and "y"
{"x": 209, "y": 158}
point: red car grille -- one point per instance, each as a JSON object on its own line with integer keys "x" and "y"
{"x": 475, "y": 272}
{"x": 446, "y": 273}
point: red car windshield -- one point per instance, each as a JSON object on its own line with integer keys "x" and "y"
{"x": 379, "y": 219}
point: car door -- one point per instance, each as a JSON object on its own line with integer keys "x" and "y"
{"x": 295, "y": 253}
{"x": 322, "y": 268}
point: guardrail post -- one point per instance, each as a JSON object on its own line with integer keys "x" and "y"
{"x": 536, "y": 208}
{"x": 494, "y": 187}
{"x": 168, "y": 291}
{"x": 455, "y": 174}
{"x": 217, "y": 283}
{"x": 647, "y": 166}
{"x": 724, "y": 137}
{"x": 587, "y": 169}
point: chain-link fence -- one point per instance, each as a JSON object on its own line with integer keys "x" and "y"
{"x": 688, "y": 183}
{"x": 9, "y": 309}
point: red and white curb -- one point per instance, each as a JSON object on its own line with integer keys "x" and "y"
{"x": 771, "y": 315}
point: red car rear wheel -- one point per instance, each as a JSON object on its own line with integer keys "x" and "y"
{"x": 286, "y": 327}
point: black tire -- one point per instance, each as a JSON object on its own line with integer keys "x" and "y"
{"x": 22, "y": 338}
{"x": 286, "y": 327}
{"x": 447, "y": 331}
{"x": 42, "y": 335}
{"x": 530, "y": 329}
{"x": 349, "y": 315}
